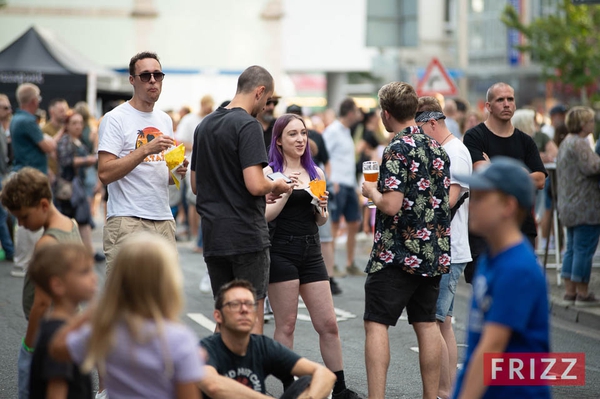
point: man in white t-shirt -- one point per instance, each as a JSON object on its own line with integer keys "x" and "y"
{"x": 133, "y": 139}
{"x": 340, "y": 146}
{"x": 188, "y": 124}
{"x": 431, "y": 120}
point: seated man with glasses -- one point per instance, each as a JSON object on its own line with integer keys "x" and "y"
{"x": 238, "y": 362}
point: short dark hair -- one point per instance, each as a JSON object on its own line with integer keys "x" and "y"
{"x": 141, "y": 56}
{"x": 237, "y": 283}
{"x": 55, "y": 260}
{"x": 461, "y": 105}
{"x": 54, "y": 101}
{"x": 254, "y": 77}
{"x": 347, "y": 106}
{"x": 25, "y": 189}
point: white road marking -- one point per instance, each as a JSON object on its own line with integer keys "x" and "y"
{"x": 341, "y": 315}
{"x": 203, "y": 321}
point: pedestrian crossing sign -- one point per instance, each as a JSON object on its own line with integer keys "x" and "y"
{"x": 436, "y": 80}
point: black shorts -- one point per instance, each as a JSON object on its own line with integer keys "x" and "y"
{"x": 297, "y": 258}
{"x": 390, "y": 290}
{"x": 253, "y": 267}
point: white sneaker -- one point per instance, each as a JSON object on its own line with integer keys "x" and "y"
{"x": 267, "y": 311}
{"x": 205, "y": 286}
{"x": 18, "y": 272}
{"x": 102, "y": 395}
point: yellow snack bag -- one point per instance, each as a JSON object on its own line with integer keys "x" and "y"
{"x": 174, "y": 158}
{"x": 317, "y": 187}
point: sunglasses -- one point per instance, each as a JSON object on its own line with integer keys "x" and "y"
{"x": 274, "y": 102}
{"x": 145, "y": 77}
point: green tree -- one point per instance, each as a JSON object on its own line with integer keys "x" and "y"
{"x": 565, "y": 44}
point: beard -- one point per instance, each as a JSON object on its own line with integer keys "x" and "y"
{"x": 268, "y": 116}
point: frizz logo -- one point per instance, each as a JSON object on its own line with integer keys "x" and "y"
{"x": 534, "y": 368}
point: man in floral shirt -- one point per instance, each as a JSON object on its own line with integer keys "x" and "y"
{"x": 411, "y": 249}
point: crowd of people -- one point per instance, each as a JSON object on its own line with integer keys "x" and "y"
{"x": 265, "y": 197}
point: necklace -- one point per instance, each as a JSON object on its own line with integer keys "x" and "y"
{"x": 447, "y": 137}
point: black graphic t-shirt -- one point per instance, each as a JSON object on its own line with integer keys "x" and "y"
{"x": 264, "y": 357}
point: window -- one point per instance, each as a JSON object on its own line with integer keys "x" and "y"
{"x": 392, "y": 23}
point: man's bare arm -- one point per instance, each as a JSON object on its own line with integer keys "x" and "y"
{"x": 539, "y": 179}
{"x": 494, "y": 339}
{"x": 219, "y": 387}
{"x": 112, "y": 168}
{"x": 322, "y": 380}
{"x": 389, "y": 202}
{"x": 47, "y": 145}
{"x": 259, "y": 185}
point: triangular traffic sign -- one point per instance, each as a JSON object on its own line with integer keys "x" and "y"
{"x": 436, "y": 80}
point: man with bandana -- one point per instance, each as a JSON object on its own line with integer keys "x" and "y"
{"x": 433, "y": 123}
{"x": 411, "y": 248}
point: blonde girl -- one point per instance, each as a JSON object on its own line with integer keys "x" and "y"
{"x": 135, "y": 338}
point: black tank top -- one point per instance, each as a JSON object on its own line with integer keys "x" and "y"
{"x": 297, "y": 218}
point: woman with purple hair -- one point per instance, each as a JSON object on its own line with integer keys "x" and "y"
{"x": 297, "y": 266}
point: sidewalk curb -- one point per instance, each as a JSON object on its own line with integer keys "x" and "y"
{"x": 575, "y": 315}
{"x": 579, "y": 316}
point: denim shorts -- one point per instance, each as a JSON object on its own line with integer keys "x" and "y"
{"x": 346, "y": 204}
{"x": 297, "y": 258}
{"x": 445, "y": 302}
{"x": 253, "y": 267}
{"x": 390, "y": 290}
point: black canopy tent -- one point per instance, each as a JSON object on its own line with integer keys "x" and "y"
{"x": 40, "y": 57}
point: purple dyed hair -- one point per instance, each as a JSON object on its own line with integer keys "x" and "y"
{"x": 276, "y": 160}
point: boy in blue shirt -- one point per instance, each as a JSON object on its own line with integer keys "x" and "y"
{"x": 509, "y": 309}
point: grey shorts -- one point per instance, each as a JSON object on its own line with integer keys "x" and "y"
{"x": 253, "y": 267}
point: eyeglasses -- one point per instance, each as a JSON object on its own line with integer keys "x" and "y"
{"x": 236, "y": 306}
{"x": 145, "y": 77}
{"x": 274, "y": 102}
{"x": 423, "y": 124}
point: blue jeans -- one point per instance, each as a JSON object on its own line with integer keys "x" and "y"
{"x": 445, "y": 302}
{"x": 5, "y": 239}
{"x": 200, "y": 242}
{"x": 582, "y": 242}
{"x": 24, "y": 367}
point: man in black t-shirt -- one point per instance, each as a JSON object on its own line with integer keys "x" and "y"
{"x": 229, "y": 156}
{"x": 497, "y": 136}
{"x": 239, "y": 362}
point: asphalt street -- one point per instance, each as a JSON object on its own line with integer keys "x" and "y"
{"x": 403, "y": 377}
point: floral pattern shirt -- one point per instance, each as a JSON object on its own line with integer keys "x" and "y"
{"x": 417, "y": 238}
